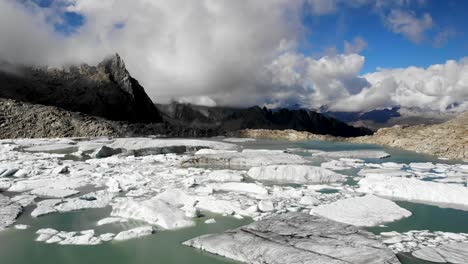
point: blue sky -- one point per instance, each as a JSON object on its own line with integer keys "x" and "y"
{"x": 388, "y": 49}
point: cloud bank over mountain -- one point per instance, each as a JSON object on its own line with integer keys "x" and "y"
{"x": 230, "y": 52}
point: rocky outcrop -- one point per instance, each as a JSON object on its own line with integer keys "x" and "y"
{"x": 447, "y": 140}
{"x": 295, "y": 238}
{"x": 106, "y": 90}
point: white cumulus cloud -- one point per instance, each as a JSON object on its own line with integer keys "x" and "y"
{"x": 240, "y": 53}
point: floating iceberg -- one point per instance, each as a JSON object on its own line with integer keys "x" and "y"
{"x": 54, "y": 192}
{"x": 134, "y": 233}
{"x": 239, "y": 187}
{"x": 354, "y": 154}
{"x": 45, "y": 207}
{"x": 294, "y": 174}
{"x": 449, "y": 195}
{"x": 296, "y": 238}
{"x": 367, "y": 210}
{"x": 456, "y": 253}
{"x": 9, "y": 211}
{"x": 153, "y": 211}
{"x": 246, "y": 158}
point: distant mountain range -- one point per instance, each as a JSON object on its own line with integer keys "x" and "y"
{"x": 108, "y": 91}
{"x": 226, "y": 119}
{"x": 391, "y": 116}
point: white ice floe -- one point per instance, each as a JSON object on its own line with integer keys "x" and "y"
{"x": 148, "y": 143}
{"x": 423, "y": 166}
{"x": 180, "y": 198}
{"x": 52, "y": 236}
{"x": 59, "y": 148}
{"x": 98, "y": 199}
{"x": 449, "y": 195}
{"x": 239, "y": 187}
{"x": 45, "y": 234}
{"x": 111, "y": 220}
{"x": 427, "y": 245}
{"x": 294, "y": 174}
{"x": 342, "y": 164}
{"x": 246, "y": 158}
{"x": 210, "y": 221}
{"x": 153, "y": 211}
{"x": 21, "y": 227}
{"x": 107, "y": 237}
{"x": 266, "y": 206}
{"x": 45, "y": 207}
{"x": 384, "y": 172}
{"x": 393, "y": 165}
{"x": 239, "y": 140}
{"x": 24, "y": 199}
{"x": 456, "y": 253}
{"x": 80, "y": 239}
{"x": 354, "y": 154}
{"x": 134, "y": 233}
{"x": 296, "y": 238}
{"x": 9, "y": 211}
{"x": 53, "y": 192}
{"x": 367, "y": 210}
{"x": 60, "y": 182}
{"x": 224, "y": 176}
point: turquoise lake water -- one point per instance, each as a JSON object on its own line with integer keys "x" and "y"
{"x": 164, "y": 247}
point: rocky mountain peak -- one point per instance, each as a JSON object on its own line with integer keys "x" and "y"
{"x": 115, "y": 67}
{"x": 106, "y": 90}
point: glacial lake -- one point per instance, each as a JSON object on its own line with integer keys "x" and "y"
{"x": 164, "y": 247}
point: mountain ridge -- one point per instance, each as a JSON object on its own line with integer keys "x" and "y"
{"x": 105, "y": 90}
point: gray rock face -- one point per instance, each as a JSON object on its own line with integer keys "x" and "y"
{"x": 106, "y": 90}
{"x": 296, "y": 238}
{"x": 8, "y": 212}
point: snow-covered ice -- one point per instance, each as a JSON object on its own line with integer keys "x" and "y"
{"x": 239, "y": 140}
{"x": 239, "y": 187}
{"x": 368, "y": 210}
{"x": 134, "y": 233}
{"x": 9, "y": 211}
{"x": 354, "y": 154}
{"x": 111, "y": 220}
{"x": 45, "y": 207}
{"x": 449, "y": 195}
{"x": 456, "y": 253}
{"x": 53, "y": 192}
{"x": 246, "y": 158}
{"x": 294, "y": 174}
{"x": 153, "y": 211}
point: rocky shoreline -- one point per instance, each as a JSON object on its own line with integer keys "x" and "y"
{"x": 448, "y": 140}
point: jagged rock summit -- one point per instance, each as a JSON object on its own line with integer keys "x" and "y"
{"x": 106, "y": 90}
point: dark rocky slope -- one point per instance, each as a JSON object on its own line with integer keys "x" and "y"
{"x": 25, "y": 120}
{"x": 225, "y": 119}
{"x": 106, "y": 90}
